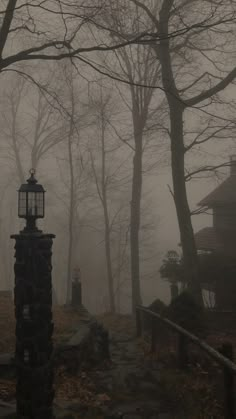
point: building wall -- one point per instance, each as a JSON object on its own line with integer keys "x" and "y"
{"x": 224, "y": 218}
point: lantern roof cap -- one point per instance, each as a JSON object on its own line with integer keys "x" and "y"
{"x": 32, "y": 184}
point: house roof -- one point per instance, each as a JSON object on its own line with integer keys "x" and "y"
{"x": 223, "y": 194}
{"x": 208, "y": 239}
{"x": 211, "y": 239}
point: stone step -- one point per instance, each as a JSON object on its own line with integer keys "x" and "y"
{"x": 7, "y": 410}
{"x": 6, "y": 359}
{"x": 7, "y": 365}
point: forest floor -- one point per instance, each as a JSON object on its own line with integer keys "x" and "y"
{"x": 135, "y": 384}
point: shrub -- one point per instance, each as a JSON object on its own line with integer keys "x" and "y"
{"x": 158, "y": 307}
{"x": 184, "y": 311}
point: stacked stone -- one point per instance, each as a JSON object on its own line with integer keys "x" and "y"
{"x": 34, "y": 326}
{"x": 76, "y": 300}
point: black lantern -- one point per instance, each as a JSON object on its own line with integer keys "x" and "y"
{"x": 31, "y": 202}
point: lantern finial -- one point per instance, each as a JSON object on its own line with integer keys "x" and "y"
{"x": 32, "y": 179}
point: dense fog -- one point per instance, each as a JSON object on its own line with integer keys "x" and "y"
{"x": 82, "y": 121}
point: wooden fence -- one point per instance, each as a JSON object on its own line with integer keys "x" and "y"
{"x": 224, "y": 359}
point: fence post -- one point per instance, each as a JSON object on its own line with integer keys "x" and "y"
{"x": 138, "y": 322}
{"x": 182, "y": 351}
{"x": 154, "y": 334}
{"x": 229, "y": 405}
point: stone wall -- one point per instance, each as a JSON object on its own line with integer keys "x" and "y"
{"x": 88, "y": 347}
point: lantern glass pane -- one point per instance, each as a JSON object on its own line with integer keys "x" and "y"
{"x": 22, "y": 204}
{"x": 40, "y": 204}
{"x": 35, "y": 204}
{"x": 31, "y": 204}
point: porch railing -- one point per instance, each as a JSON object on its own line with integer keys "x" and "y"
{"x": 223, "y": 358}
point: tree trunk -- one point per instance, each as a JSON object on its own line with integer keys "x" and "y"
{"x": 118, "y": 285}
{"x": 135, "y": 223}
{"x": 176, "y": 107}
{"x": 181, "y": 202}
{"x": 108, "y": 260}
{"x": 34, "y": 160}
{"x": 71, "y": 203}
{"x": 106, "y": 222}
{"x": 19, "y": 167}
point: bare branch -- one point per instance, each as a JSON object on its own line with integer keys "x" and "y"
{"x": 213, "y": 90}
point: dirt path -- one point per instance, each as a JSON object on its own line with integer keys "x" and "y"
{"x": 134, "y": 385}
{"x": 133, "y": 380}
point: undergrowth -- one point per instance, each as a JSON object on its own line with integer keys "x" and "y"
{"x": 189, "y": 396}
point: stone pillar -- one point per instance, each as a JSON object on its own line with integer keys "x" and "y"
{"x": 76, "y": 300}
{"x": 76, "y": 295}
{"x": 34, "y": 326}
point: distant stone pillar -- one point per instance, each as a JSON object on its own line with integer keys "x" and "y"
{"x": 34, "y": 326}
{"x": 76, "y": 299}
{"x": 76, "y": 294}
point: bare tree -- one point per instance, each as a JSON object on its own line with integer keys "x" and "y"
{"x": 57, "y": 30}
{"x": 193, "y": 43}
{"x": 101, "y": 181}
{"x": 72, "y": 199}
{"x": 71, "y": 161}
{"x": 137, "y": 64}
{"x": 76, "y": 121}
{"x": 202, "y": 33}
{"x": 112, "y": 183}
{"x": 30, "y": 126}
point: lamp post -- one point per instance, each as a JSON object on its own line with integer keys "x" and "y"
{"x": 33, "y": 307}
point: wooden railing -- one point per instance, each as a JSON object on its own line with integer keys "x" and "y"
{"x": 223, "y": 358}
